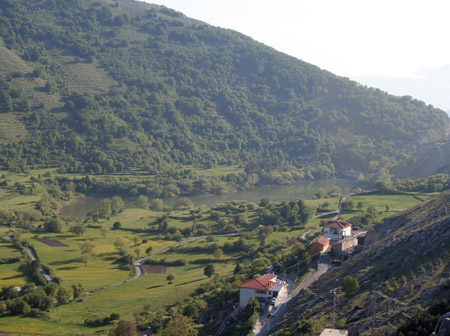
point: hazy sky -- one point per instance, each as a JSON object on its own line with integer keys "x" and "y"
{"x": 346, "y": 37}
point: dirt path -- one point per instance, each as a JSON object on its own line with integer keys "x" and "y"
{"x": 33, "y": 256}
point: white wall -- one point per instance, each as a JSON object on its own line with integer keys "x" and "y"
{"x": 246, "y": 294}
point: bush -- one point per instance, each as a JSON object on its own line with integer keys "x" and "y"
{"x": 350, "y": 285}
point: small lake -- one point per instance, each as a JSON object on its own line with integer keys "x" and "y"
{"x": 275, "y": 193}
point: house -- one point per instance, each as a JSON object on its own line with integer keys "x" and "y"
{"x": 337, "y": 229}
{"x": 334, "y": 332}
{"x": 344, "y": 247}
{"x": 318, "y": 246}
{"x": 263, "y": 288}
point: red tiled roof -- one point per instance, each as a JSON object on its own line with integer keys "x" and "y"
{"x": 321, "y": 240}
{"x": 337, "y": 224}
{"x": 266, "y": 282}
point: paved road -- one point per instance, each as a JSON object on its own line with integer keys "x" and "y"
{"x": 281, "y": 308}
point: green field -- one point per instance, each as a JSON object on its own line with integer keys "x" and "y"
{"x": 103, "y": 277}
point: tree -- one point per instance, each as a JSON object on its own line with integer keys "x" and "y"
{"x": 170, "y": 278}
{"x": 77, "y": 290}
{"x": 348, "y": 205}
{"x": 209, "y": 270}
{"x": 142, "y": 202}
{"x": 117, "y": 205}
{"x": 64, "y": 295}
{"x": 5, "y": 101}
{"x": 350, "y": 285}
{"x": 156, "y": 204}
{"x": 121, "y": 242}
{"x": 183, "y": 202}
{"x": 55, "y": 225}
{"x": 243, "y": 219}
{"x": 218, "y": 254}
{"x": 360, "y": 205}
{"x": 180, "y": 325}
{"x": 124, "y": 328}
{"x": 264, "y": 202}
{"x": 77, "y": 230}
{"x": 104, "y": 230}
{"x": 148, "y": 251}
{"x": 117, "y": 226}
{"x": 87, "y": 251}
{"x": 18, "y": 306}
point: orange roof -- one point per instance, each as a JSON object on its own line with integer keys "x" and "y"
{"x": 337, "y": 224}
{"x": 321, "y": 240}
{"x": 266, "y": 282}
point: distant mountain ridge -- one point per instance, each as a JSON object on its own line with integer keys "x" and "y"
{"x": 429, "y": 84}
{"x": 117, "y": 86}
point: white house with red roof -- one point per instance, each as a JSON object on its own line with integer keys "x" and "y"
{"x": 263, "y": 288}
{"x": 336, "y": 230}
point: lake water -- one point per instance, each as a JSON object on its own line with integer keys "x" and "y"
{"x": 274, "y": 193}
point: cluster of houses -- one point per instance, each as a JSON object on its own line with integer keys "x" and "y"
{"x": 337, "y": 237}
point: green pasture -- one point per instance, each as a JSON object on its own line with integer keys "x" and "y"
{"x": 333, "y": 203}
{"x": 217, "y": 170}
{"x": 10, "y": 275}
{"x": 100, "y": 271}
{"x": 131, "y": 297}
{"x": 192, "y": 256}
{"x": 17, "y": 325}
{"x": 396, "y": 203}
{"x": 283, "y": 235}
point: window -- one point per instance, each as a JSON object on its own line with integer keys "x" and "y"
{"x": 260, "y": 292}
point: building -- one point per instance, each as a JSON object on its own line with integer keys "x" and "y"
{"x": 344, "y": 247}
{"x": 336, "y": 230}
{"x": 263, "y": 288}
{"x": 334, "y": 332}
{"x": 318, "y": 246}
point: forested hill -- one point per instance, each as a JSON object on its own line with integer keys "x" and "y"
{"x": 112, "y": 86}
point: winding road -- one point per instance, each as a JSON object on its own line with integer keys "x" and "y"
{"x": 33, "y": 256}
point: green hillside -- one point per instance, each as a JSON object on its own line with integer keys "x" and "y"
{"x": 105, "y": 87}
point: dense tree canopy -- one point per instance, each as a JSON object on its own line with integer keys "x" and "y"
{"x": 182, "y": 93}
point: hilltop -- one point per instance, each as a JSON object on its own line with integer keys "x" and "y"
{"x": 401, "y": 274}
{"x": 102, "y": 87}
